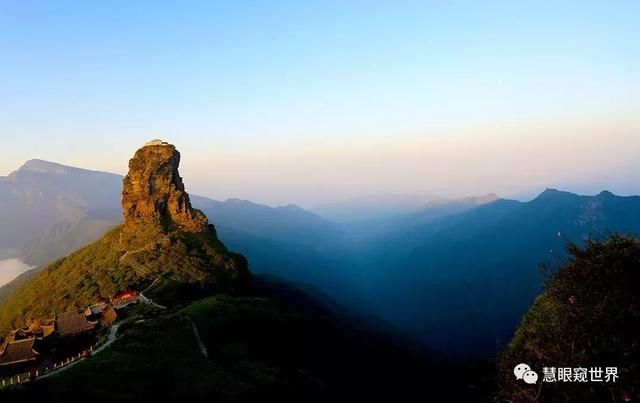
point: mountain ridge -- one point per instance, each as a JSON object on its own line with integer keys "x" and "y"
{"x": 503, "y": 243}
{"x": 388, "y": 262}
{"x": 162, "y": 238}
{"x": 72, "y": 198}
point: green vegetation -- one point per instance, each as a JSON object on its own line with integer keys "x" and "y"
{"x": 240, "y": 330}
{"x": 153, "y": 361}
{"x": 258, "y": 350}
{"x": 286, "y": 346}
{"x": 119, "y": 261}
{"x": 274, "y": 344}
{"x": 587, "y": 317}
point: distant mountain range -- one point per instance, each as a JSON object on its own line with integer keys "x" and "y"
{"x": 164, "y": 246}
{"x": 52, "y": 209}
{"x": 375, "y": 206}
{"x": 49, "y": 210}
{"x": 479, "y": 269}
{"x": 437, "y": 271}
{"x": 205, "y": 328}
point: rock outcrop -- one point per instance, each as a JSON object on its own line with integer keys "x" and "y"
{"x": 164, "y": 247}
{"x": 153, "y": 192}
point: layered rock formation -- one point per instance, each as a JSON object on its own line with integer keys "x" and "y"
{"x": 164, "y": 247}
{"x": 154, "y": 194}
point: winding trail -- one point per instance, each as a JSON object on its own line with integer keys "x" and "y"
{"x": 149, "y": 301}
{"x": 110, "y": 339}
{"x": 203, "y": 348}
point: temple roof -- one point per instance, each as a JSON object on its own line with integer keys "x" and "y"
{"x": 18, "y": 351}
{"x": 67, "y": 314}
{"x": 73, "y": 322}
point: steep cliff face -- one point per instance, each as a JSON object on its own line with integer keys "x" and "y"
{"x": 163, "y": 242}
{"x": 153, "y": 192}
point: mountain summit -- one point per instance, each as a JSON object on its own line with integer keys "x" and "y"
{"x": 154, "y": 194}
{"x": 164, "y": 247}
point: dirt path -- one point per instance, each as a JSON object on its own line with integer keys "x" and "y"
{"x": 148, "y": 301}
{"x": 110, "y": 339}
{"x": 203, "y": 348}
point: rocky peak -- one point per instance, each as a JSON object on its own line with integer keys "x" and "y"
{"x": 153, "y": 192}
{"x": 41, "y": 166}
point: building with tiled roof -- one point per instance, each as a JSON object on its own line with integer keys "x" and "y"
{"x": 39, "y": 331}
{"x": 18, "y": 351}
{"x": 124, "y": 298}
{"x": 67, "y": 314}
{"x": 48, "y": 327}
{"x": 109, "y": 316}
{"x": 18, "y": 334}
{"x": 156, "y": 142}
{"x": 73, "y": 322}
{"x": 95, "y": 309}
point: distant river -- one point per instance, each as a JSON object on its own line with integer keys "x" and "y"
{"x": 10, "y": 269}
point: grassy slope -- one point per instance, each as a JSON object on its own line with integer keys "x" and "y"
{"x": 65, "y": 283}
{"x": 99, "y": 270}
{"x": 153, "y": 360}
{"x": 259, "y": 349}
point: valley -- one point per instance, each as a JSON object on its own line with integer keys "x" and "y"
{"x": 398, "y": 269}
{"x": 288, "y": 316}
{"x": 320, "y": 201}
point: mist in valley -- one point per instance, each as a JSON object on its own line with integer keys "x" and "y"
{"x": 10, "y": 269}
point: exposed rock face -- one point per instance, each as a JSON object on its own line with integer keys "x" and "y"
{"x": 164, "y": 247}
{"x": 154, "y": 194}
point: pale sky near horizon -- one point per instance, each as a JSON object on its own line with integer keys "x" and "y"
{"x": 311, "y": 102}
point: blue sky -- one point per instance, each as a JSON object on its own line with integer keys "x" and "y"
{"x": 306, "y": 102}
